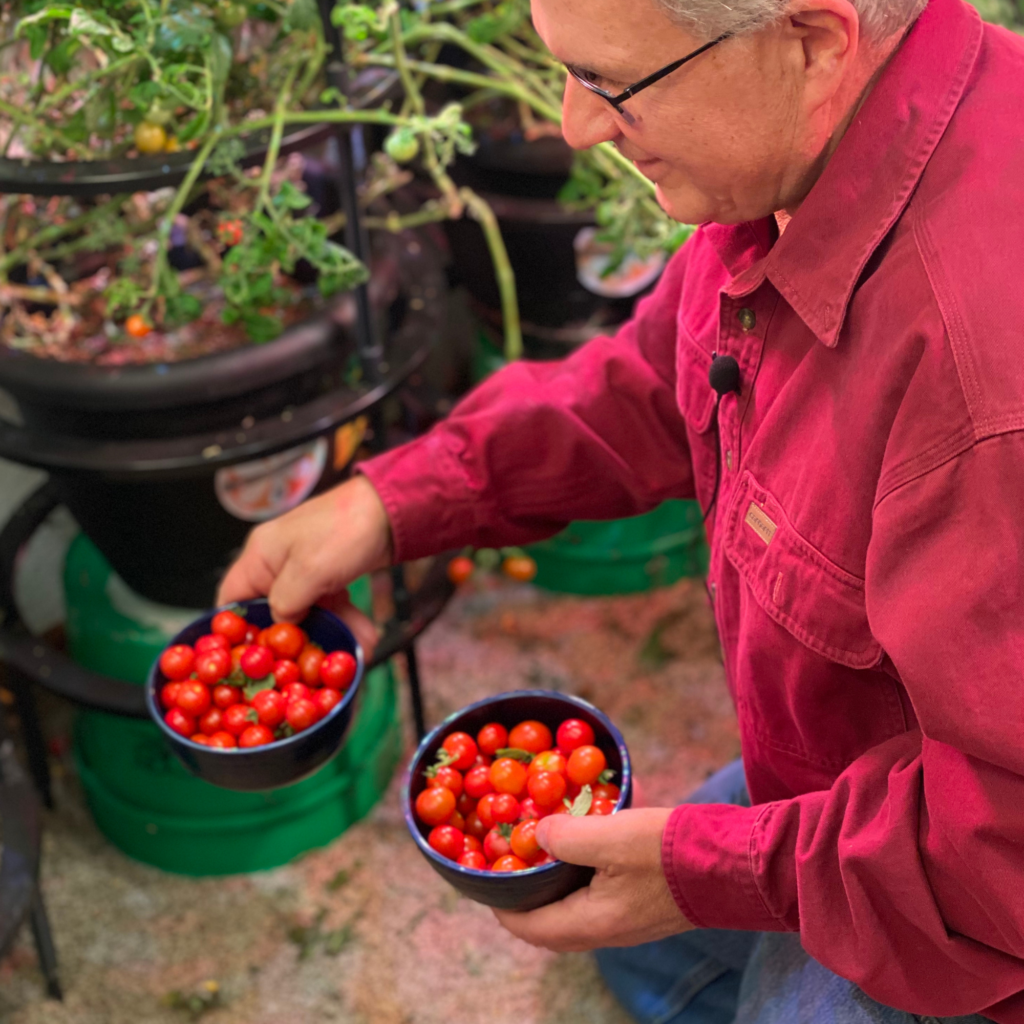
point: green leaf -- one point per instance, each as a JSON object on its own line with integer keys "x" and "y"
{"x": 283, "y": 731}
{"x": 290, "y": 198}
{"x": 302, "y": 15}
{"x": 61, "y": 57}
{"x": 183, "y": 31}
{"x": 194, "y": 127}
{"x": 580, "y": 807}
{"x": 182, "y": 309}
{"x": 220, "y": 55}
{"x": 254, "y": 686}
{"x": 606, "y": 776}
{"x": 515, "y": 753}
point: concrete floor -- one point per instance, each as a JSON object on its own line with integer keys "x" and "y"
{"x": 363, "y": 931}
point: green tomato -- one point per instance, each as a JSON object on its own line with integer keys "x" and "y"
{"x": 229, "y": 14}
{"x": 159, "y": 114}
{"x": 402, "y": 145}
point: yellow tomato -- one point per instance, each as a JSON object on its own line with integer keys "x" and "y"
{"x": 150, "y": 138}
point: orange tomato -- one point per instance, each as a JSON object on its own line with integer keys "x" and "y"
{"x": 137, "y": 326}
{"x": 534, "y": 737}
{"x": 520, "y": 567}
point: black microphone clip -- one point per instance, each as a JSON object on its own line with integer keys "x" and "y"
{"x": 724, "y": 374}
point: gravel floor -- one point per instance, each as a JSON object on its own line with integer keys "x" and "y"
{"x": 364, "y": 931}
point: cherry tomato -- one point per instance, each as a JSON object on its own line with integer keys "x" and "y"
{"x": 229, "y": 15}
{"x": 524, "y": 840}
{"x": 491, "y": 738}
{"x": 465, "y": 805}
{"x": 510, "y": 862}
{"x": 478, "y": 782}
{"x": 601, "y": 807}
{"x": 485, "y": 811}
{"x": 475, "y": 827}
{"x": 310, "y": 661}
{"x": 402, "y": 145}
{"x": 231, "y": 626}
{"x": 529, "y": 808}
{"x": 326, "y": 700}
{"x": 149, "y": 137}
{"x": 473, "y": 845}
{"x": 251, "y": 635}
{"x": 193, "y": 698}
{"x": 449, "y": 778}
{"x": 211, "y": 642}
{"x": 435, "y": 805}
{"x": 211, "y": 721}
{"x": 520, "y": 567}
{"x": 169, "y": 694}
{"x": 482, "y": 762}
{"x": 286, "y": 672}
{"x": 534, "y": 737}
{"x": 462, "y": 747}
{"x": 269, "y": 706}
{"x": 236, "y": 655}
{"x": 230, "y": 232}
{"x": 224, "y": 696}
{"x": 238, "y": 718}
{"x": 585, "y": 765}
{"x": 223, "y": 741}
{"x": 137, "y": 326}
{"x": 212, "y": 666}
{"x": 505, "y": 809}
{"x": 177, "y": 661}
{"x": 286, "y": 640}
{"x": 496, "y": 845}
{"x": 508, "y": 776}
{"x": 549, "y": 761}
{"x": 301, "y": 714}
{"x": 607, "y": 791}
{"x": 473, "y": 859}
{"x": 546, "y": 788}
{"x": 179, "y": 722}
{"x": 337, "y": 670}
{"x": 257, "y": 662}
{"x": 573, "y": 733}
{"x": 297, "y": 691}
{"x": 542, "y": 858}
{"x": 256, "y": 736}
{"x": 448, "y": 841}
{"x": 201, "y": 738}
{"x": 261, "y": 637}
{"x": 460, "y": 568}
{"x": 457, "y": 821}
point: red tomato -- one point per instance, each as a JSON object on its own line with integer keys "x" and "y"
{"x": 179, "y": 722}
{"x": 460, "y": 568}
{"x": 269, "y": 706}
{"x": 224, "y": 696}
{"x": 261, "y": 638}
{"x": 462, "y": 747}
{"x": 508, "y": 776}
{"x": 176, "y": 662}
{"x": 230, "y": 625}
{"x": 211, "y": 642}
{"x": 482, "y": 762}
{"x": 211, "y": 722}
{"x": 286, "y": 672}
{"x": 326, "y": 700}
{"x": 257, "y": 662}
{"x": 491, "y": 738}
{"x": 585, "y": 765}
{"x": 457, "y": 821}
{"x": 212, "y": 666}
{"x": 478, "y": 782}
{"x": 529, "y": 808}
{"x": 465, "y": 805}
{"x": 449, "y": 778}
{"x": 193, "y": 698}
{"x": 223, "y": 740}
{"x": 474, "y": 826}
{"x": 524, "y": 840}
{"x": 473, "y": 845}
{"x": 169, "y": 694}
{"x": 448, "y": 841}
{"x": 301, "y": 714}
{"x": 573, "y": 733}
{"x": 549, "y": 761}
{"x": 600, "y": 807}
{"x": 231, "y": 232}
{"x": 310, "y": 660}
{"x": 473, "y": 859}
{"x": 547, "y": 788}
{"x": 505, "y": 809}
{"x": 297, "y": 691}
{"x": 607, "y": 791}
{"x": 337, "y": 670}
{"x": 201, "y": 738}
{"x": 236, "y": 655}
{"x": 251, "y": 635}
{"x": 238, "y": 718}
{"x": 286, "y": 640}
{"x": 435, "y": 805}
{"x": 256, "y": 736}
{"x": 485, "y": 811}
{"x": 510, "y": 862}
{"x": 496, "y": 845}
{"x": 534, "y": 737}
{"x": 542, "y": 859}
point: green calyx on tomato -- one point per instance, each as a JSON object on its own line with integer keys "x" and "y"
{"x": 515, "y": 753}
{"x": 606, "y": 776}
{"x": 253, "y": 686}
{"x": 445, "y": 759}
{"x": 402, "y": 145}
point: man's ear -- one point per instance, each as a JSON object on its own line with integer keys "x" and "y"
{"x": 828, "y": 32}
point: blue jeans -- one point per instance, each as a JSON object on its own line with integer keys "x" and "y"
{"x": 710, "y": 976}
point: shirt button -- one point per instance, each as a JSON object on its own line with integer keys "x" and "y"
{"x": 728, "y": 459}
{"x": 747, "y": 318}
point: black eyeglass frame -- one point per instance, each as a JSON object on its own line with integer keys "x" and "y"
{"x": 632, "y": 90}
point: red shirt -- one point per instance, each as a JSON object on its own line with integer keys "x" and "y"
{"x": 867, "y": 565}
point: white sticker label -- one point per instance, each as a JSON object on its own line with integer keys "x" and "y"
{"x": 259, "y": 490}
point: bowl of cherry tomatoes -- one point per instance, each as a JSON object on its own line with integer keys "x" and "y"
{"x": 250, "y": 704}
{"x": 480, "y": 782}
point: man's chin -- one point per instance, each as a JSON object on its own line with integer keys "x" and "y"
{"x": 683, "y": 207}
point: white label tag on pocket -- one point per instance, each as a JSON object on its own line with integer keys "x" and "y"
{"x": 759, "y": 522}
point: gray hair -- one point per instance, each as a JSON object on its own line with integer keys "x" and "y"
{"x": 879, "y": 19}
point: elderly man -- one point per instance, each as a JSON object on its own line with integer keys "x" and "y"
{"x": 858, "y": 169}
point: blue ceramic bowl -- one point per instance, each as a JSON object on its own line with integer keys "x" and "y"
{"x": 535, "y": 887}
{"x": 285, "y": 761}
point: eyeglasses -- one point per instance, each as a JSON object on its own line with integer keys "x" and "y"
{"x": 632, "y": 90}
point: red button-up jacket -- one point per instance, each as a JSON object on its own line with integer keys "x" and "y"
{"x": 867, "y": 544}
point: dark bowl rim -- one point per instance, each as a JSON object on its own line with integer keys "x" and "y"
{"x": 158, "y": 718}
{"x": 451, "y": 865}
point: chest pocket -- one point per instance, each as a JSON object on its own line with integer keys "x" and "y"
{"x": 807, "y": 594}
{"x": 693, "y": 392}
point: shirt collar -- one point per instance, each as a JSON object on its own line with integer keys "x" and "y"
{"x": 866, "y": 185}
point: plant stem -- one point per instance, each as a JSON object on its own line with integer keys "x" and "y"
{"x": 53, "y": 135}
{"x": 274, "y": 147}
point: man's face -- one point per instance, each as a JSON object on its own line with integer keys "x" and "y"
{"x": 725, "y": 137}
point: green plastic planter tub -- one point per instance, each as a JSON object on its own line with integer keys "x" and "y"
{"x": 618, "y": 556}
{"x": 148, "y": 805}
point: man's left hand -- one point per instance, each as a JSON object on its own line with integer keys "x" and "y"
{"x": 627, "y": 902}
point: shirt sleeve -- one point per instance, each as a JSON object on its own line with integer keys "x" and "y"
{"x": 907, "y": 876}
{"x": 596, "y": 436}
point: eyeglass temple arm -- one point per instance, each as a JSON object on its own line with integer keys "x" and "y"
{"x": 667, "y": 70}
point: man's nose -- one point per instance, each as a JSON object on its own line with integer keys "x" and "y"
{"x": 586, "y": 118}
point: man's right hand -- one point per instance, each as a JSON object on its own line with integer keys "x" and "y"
{"x": 311, "y": 554}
